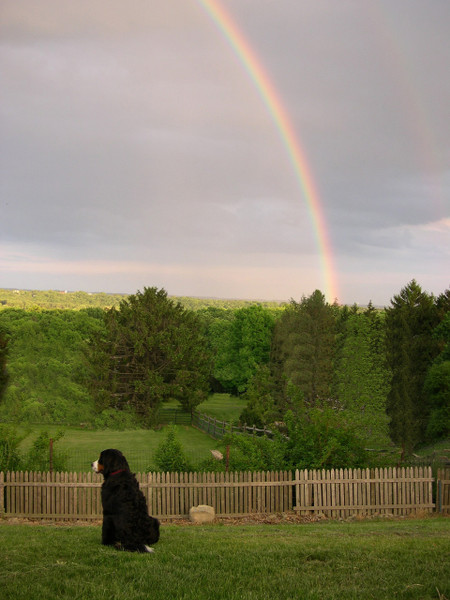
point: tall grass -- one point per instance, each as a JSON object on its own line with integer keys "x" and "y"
{"x": 329, "y": 561}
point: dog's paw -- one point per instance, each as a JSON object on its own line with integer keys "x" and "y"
{"x": 148, "y": 549}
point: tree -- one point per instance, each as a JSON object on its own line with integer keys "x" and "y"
{"x": 363, "y": 378}
{"x": 3, "y": 355}
{"x": 153, "y": 349}
{"x": 261, "y": 408}
{"x": 217, "y": 325}
{"x": 411, "y": 349}
{"x": 241, "y": 341}
{"x": 437, "y": 385}
{"x": 251, "y": 335}
{"x": 304, "y": 347}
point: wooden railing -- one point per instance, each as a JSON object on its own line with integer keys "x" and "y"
{"x": 217, "y": 428}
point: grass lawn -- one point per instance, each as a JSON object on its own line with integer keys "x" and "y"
{"x": 223, "y": 407}
{"x": 83, "y": 446}
{"x": 373, "y": 559}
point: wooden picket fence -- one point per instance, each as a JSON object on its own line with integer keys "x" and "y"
{"x": 443, "y": 490}
{"x": 336, "y": 493}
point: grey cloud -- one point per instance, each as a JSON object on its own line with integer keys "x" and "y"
{"x": 133, "y": 132}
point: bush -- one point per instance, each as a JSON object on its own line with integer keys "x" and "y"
{"x": 319, "y": 438}
{"x": 38, "y": 457}
{"x": 116, "y": 420}
{"x": 169, "y": 456}
{"x": 10, "y": 459}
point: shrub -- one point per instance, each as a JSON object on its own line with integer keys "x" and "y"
{"x": 10, "y": 459}
{"x": 38, "y": 457}
{"x": 169, "y": 456}
{"x": 319, "y": 438}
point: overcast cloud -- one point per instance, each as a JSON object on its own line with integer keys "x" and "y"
{"x": 136, "y": 151}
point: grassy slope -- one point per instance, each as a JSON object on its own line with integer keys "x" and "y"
{"x": 382, "y": 560}
{"x": 223, "y": 406}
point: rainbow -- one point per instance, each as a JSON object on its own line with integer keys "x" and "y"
{"x": 280, "y": 117}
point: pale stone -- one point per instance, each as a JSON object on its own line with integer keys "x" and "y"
{"x": 202, "y": 514}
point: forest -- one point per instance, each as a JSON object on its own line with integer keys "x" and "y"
{"x": 306, "y": 367}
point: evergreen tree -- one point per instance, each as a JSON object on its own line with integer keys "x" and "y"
{"x": 411, "y": 349}
{"x": 304, "y": 347}
{"x": 260, "y": 397}
{"x": 437, "y": 385}
{"x": 3, "y": 356}
{"x": 152, "y": 350}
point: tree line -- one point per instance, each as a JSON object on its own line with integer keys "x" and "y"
{"x": 384, "y": 373}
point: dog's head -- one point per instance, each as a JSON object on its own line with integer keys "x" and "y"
{"x": 109, "y": 462}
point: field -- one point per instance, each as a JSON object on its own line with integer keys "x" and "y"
{"x": 405, "y": 559}
{"x": 223, "y": 406}
{"x": 82, "y": 446}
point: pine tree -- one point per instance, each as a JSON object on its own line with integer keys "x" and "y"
{"x": 153, "y": 350}
{"x": 304, "y": 347}
{"x": 411, "y": 349}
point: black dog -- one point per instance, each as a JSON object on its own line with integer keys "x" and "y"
{"x": 126, "y": 522}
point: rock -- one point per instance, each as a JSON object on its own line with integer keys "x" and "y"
{"x": 202, "y": 514}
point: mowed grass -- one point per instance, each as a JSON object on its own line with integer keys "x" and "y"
{"x": 382, "y": 560}
{"x": 82, "y": 446}
{"x": 223, "y": 406}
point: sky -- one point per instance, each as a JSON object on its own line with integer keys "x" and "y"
{"x": 138, "y": 147}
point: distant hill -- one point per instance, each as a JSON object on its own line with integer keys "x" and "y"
{"x": 55, "y": 299}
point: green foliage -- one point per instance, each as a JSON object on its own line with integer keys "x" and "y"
{"x": 261, "y": 409}
{"x": 363, "y": 378}
{"x": 316, "y": 437}
{"x": 38, "y": 457}
{"x": 47, "y": 370}
{"x": 304, "y": 347}
{"x": 116, "y": 420}
{"x": 67, "y": 300}
{"x": 411, "y": 349}
{"x": 3, "y": 356}
{"x": 240, "y": 341}
{"x": 169, "y": 456}
{"x": 320, "y": 438}
{"x": 248, "y": 453}
{"x": 10, "y": 457}
{"x": 152, "y": 350}
{"x": 437, "y": 384}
